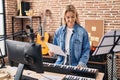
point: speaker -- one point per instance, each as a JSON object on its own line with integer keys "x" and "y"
{"x": 25, "y": 7}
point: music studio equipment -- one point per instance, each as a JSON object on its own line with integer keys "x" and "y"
{"x": 110, "y": 44}
{"x": 2, "y": 61}
{"x": 22, "y": 33}
{"x": 110, "y": 68}
{"x": 71, "y": 70}
{"x": 97, "y": 58}
{"x": 31, "y": 33}
{"x": 43, "y": 36}
{"x": 98, "y": 62}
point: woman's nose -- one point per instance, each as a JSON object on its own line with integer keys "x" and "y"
{"x": 70, "y": 19}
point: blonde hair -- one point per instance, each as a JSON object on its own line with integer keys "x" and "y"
{"x": 71, "y": 8}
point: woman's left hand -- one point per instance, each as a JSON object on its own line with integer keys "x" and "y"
{"x": 79, "y": 66}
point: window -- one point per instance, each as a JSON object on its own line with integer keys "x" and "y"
{"x": 2, "y": 28}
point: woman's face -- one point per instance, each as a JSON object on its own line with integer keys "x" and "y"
{"x": 70, "y": 18}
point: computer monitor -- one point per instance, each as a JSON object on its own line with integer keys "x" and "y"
{"x": 27, "y": 55}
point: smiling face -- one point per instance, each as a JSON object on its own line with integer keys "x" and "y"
{"x": 70, "y": 16}
{"x": 70, "y": 19}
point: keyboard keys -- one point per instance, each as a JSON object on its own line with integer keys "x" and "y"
{"x": 72, "y": 70}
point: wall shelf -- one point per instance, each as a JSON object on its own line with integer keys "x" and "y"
{"x": 22, "y": 18}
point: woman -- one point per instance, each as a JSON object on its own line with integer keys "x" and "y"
{"x": 73, "y": 40}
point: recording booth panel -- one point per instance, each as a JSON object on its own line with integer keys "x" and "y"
{"x": 27, "y": 54}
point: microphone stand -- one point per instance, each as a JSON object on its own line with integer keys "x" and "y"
{"x": 11, "y": 35}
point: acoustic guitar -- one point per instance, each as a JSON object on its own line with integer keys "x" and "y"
{"x": 43, "y": 37}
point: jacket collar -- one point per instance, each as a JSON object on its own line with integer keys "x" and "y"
{"x": 74, "y": 28}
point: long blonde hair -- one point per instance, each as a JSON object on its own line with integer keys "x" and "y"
{"x": 71, "y": 8}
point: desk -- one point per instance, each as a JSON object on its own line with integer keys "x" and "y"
{"x": 12, "y": 71}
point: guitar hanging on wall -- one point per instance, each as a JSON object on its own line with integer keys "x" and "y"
{"x": 42, "y": 36}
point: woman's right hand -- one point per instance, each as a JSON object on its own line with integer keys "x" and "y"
{"x": 51, "y": 53}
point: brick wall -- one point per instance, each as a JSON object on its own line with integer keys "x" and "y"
{"x": 107, "y": 10}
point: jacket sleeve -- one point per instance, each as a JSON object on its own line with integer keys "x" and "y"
{"x": 85, "y": 50}
{"x": 55, "y": 42}
{"x": 59, "y": 60}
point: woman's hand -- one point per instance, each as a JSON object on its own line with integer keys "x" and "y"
{"x": 79, "y": 66}
{"x": 51, "y": 53}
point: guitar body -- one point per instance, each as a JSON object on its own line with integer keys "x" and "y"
{"x": 42, "y": 41}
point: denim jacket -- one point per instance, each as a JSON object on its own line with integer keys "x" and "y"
{"x": 79, "y": 47}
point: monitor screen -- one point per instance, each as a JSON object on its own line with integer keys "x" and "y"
{"x": 26, "y": 53}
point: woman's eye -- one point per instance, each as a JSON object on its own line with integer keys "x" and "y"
{"x": 73, "y": 16}
{"x": 68, "y": 17}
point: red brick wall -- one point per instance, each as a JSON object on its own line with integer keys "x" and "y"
{"x": 108, "y": 10}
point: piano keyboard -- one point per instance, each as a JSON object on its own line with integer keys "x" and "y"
{"x": 70, "y": 70}
{"x": 71, "y": 77}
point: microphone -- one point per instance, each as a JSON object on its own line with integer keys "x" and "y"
{"x": 28, "y": 27}
{"x": 19, "y": 33}
{"x": 31, "y": 33}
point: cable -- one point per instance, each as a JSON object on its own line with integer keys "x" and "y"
{"x": 4, "y": 37}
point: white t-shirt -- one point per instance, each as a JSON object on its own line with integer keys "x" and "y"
{"x": 67, "y": 41}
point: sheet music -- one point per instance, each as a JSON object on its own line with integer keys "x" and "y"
{"x": 102, "y": 50}
{"x": 55, "y": 49}
{"x": 107, "y": 42}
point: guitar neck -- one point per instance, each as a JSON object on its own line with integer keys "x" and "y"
{"x": 47, "y": 14}
{"x": 44, "y": 25}
{"x": 40, "y": 27}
